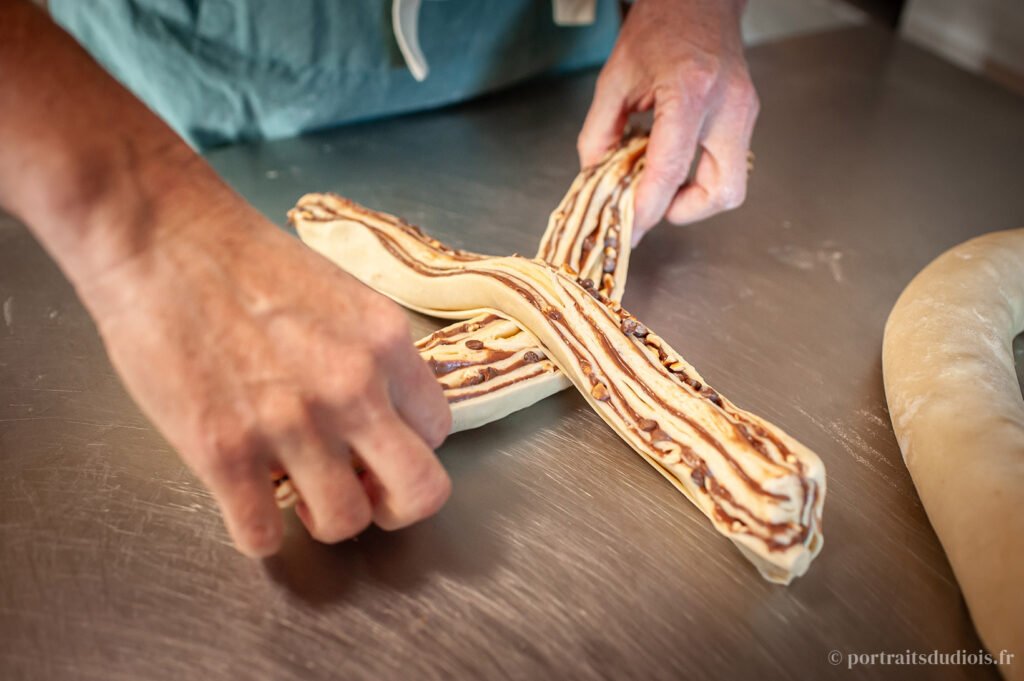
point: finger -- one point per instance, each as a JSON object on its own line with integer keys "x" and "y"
{"x": 603, "y": 126}
{"x": 410, "y": 482}
{"x": 418, "y": 397}
{"x": 670, "y": 151}
{"x": 334, "y": 505}
{"x": 238, "y": 479}
{"x": 720, "y": 182}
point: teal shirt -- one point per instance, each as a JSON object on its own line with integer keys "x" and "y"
{"x": 224, "y": 70}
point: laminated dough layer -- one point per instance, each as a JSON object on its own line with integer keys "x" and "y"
{"x": 759, "y": 487}
{"x": 489, "y": 366}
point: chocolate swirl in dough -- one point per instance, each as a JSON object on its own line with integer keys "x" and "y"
{"x": 490, "y": 367}
{"x": 759, "y": 487}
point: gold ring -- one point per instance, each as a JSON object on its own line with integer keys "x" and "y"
{"x": 285, "y": 493}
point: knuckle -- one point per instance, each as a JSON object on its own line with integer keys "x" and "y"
{"x": 347, "y": 518}
{"x": 256, "y": 536}
{"x": 433, "y": 417}
{"x": 608, "y": 80}
{"x": 427, "y": 493}
{"x": 357, "y": 375}
{"x": 697, "y": 77}
{"x": 750, "y": 94}
{"x": 286, "y": 415}
{"x": 231, "y": 462}
{"x": 582, "y": 143}
{"x": 730, "y": 197}
{"x": 677, "y": 214}
{"x": 391, "y": 328}
{"x": 229, "y": 445}
{"x": 742, "y": 89}
{"x": 441, "y": 427}
{"x": 668, "y": 174}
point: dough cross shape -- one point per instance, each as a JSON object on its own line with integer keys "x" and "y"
{"x": 489, "y": 366}
{"x": 533, "y": 325}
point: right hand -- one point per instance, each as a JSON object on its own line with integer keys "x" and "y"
{"x": 684, "y": 59}
{"x": 251, "y": 352}
{"x": 248, "y": 351}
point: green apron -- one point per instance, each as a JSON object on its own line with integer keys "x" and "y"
{"x": 225, "y": 70}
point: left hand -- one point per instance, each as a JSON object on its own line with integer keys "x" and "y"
{"x": 685, "y": 59}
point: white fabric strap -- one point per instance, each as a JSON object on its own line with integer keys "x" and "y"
{"x": 575, "y": 12}
{"x": 405, "y": 20}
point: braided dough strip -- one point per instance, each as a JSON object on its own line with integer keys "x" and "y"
{"x": 759, "y": 487}
{"x": 956, "y": 407}
{"x": 489, "y": 366}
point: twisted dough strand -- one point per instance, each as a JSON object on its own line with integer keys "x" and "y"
{"x": 758, "y": 486}
{"x": 489, "y": 366}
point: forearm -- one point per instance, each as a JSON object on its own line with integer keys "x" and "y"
{"x": 85, "y": 164}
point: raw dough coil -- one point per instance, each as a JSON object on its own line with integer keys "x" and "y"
{"x": 490, "y": 367}
{"x": 956, "y": 407}
{"x": 759, "y": 487}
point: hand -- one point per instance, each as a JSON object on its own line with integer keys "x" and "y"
{"x": 685, "y": 59}
{"x": 251, "y": 352}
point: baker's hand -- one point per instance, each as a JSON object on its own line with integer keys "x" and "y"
{"x": 252, "y": 353}
{"x": 685, "y": 59}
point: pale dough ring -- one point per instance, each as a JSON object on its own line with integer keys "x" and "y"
{"x": 759, "y": 487}
{"x": 956, "y": 407}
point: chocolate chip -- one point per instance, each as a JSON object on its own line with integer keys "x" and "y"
{"x": 698, "y": 477}
{"x": 647, "y": 425}
{"x": 587, "y": 284}
{"x": 555, "y": 315}
{"x": 711, "y": 395}
{"x": 632, "y": 327}
{"x": 475, "y": 344}
{"x": 530, "y": 356}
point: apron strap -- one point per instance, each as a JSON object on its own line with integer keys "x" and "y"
{"x": 405, "y": 19}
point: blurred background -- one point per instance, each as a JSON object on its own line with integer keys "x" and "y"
{"x": 983, "y": 36}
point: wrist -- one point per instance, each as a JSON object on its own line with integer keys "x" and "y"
{"x": 98, "y": 209}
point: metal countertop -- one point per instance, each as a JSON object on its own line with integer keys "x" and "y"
{"x": 561, "y": 553}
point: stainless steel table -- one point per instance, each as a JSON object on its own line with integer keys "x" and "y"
{"x": 561, "y": 554}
